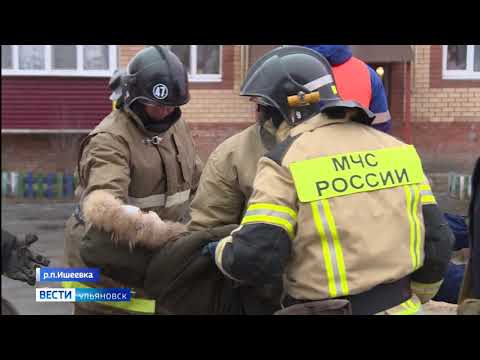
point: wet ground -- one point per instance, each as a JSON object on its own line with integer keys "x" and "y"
{"x": 47, "y": 220}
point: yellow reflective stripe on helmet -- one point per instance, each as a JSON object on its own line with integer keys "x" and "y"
{"x": 331, "y": 248}
{"x": 273, "y": 207}
{"x": 271, "y": 220}
{"x": 412, "y": 198}
{"x": 135, "y": 304}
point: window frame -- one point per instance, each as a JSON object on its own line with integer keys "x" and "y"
{"x": 204, "y": 78}
{"x": 467, "y": 74}
{"x": 48, "y": 71}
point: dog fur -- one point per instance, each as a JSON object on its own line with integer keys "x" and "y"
{"x": 106, "y": 212}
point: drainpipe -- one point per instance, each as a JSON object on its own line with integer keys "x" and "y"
{"x": 244, "y": 58}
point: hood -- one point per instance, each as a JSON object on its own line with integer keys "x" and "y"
{"x": 335, "y": 54}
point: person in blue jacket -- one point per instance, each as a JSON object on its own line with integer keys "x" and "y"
{"x": 357, "y": 81}
{"x": 450, "y": 289}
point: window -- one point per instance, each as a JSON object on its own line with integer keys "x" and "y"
{"x": 203, "y": 62}
{"x": 7, "y": 57}
{"x": 59, "y": 60}
{"x": 95, "y": 57}
{"x": 31, "y": 57}
{"x": 64, "y": 57}
{"x": 461, "y": 62}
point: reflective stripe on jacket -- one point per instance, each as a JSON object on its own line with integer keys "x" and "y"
{"x": 155, "y": 172}
{"x": 335, "y": 246}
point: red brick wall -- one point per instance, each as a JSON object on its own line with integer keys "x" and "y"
{"x": 445, "y": 114}
{"x": 443, "y": 146}
{"x": 208, "y": 136}
{"x": 397, "y": 98}
{"x": 58, "y": 152}
{"x": 447, "y": 146}
{"x": 39, "y": 152}
{"x": 126, "y": 53}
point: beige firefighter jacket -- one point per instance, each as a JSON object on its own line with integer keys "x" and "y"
{"x": 227, "y": 179}
{"x": 121, "y": 163}
{"x": 341, "y": 245}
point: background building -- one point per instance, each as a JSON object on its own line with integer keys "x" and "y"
{"x": 52, "y": 95}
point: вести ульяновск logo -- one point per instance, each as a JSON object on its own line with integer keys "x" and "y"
{"x": 82, "y": 294}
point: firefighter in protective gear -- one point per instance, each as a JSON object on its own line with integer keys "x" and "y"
{"x": 226, "y": 185}
{"x": 338, "y": 210}
{"x": 469, "y": 298}
{"x": 227, "y": 178}
{"x": 135, "y": 269}
{"x": 138, "y": 170}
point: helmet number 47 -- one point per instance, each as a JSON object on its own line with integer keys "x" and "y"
{"x": 160, "y": 91}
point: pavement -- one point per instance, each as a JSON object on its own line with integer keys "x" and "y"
{"x": 48, "y": 222}
{"x": 48, "y": 219}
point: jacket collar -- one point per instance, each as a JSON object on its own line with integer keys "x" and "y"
{"x": 270, "y": 135}
{"x": 139, "y": 123}
{"x": 319, "y": 120}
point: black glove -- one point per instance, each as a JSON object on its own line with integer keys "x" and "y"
{"x": 22, "y": 262}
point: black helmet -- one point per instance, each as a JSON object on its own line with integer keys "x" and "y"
{"x": 156, "y": 76}
{"x": 300, "y": 79}
{"x": 116, "y": 85}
